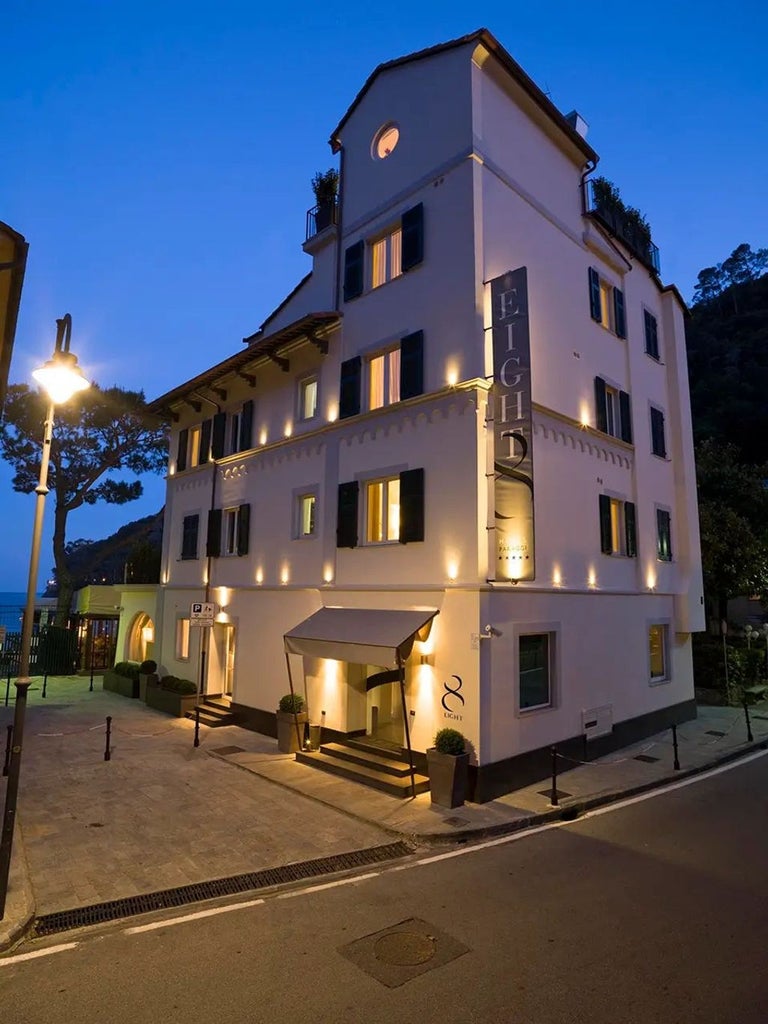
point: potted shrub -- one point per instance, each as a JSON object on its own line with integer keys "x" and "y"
{"x": 325, "y": 185}
{"x": 447, "y": 764}
{"x": 122, "y": 679}
{"x": 174, "y": 696}
{"x": 147, "y": 674}
{"x": 290, "y": 713}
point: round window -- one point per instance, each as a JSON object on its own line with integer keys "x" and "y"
{"x": 385, "y": 141}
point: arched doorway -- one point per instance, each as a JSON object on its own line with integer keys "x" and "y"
{"x": 140, "y": 642}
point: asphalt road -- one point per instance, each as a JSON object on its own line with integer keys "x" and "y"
{"x": 654, "y": 911}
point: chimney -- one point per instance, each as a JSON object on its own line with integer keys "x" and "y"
{"x": 577, "y": 122}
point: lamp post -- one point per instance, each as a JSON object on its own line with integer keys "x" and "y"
{"x": 61, "y": 378}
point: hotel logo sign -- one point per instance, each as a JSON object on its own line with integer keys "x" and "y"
{"x": 452, "y": 700}
{"x": 513, "y": 427}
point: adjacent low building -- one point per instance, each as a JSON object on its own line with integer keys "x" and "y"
{"x": 450, "y": 480}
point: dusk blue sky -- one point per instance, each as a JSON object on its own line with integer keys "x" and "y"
{"x": 157, "y": 157}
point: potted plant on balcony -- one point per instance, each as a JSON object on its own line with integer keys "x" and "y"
{"x": 325, "y": 185}
{"x": 447, "y": 764}
{"x": 291, "y": 718}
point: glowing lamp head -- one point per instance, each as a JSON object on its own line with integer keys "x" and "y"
{"x": 61, "y": 377}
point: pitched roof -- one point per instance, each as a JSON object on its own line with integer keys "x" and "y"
{"x": 487, "y": 39}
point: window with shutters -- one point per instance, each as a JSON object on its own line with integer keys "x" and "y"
{"x": 618, "y": 530}
{"x": 651, "y": 335}
{"x": 663, "y": 535}
{"x": 234, "y": 433}
{"x": 658, "y": 652}
{"x": 382, "y": 510}
{"x": 229, "y": 521}
{"x": 613, "y": 410}
{"x": 535, "y": 683}
{"x": 386, "y": 257}
{"x": 308, "y": 397}
{"x": 182, "y": 639}
{"x": 193, "y": 452}
{"x": 228, "y": 531}
{"x": 306, "y": 505}
{"x": 658, "y": 434}
{"x": 189, "y": 534}
{"x": 383, "y": 378}
{"x": 606, "y": 304}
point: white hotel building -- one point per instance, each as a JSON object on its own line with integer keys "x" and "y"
{"x": 366, "y": 449}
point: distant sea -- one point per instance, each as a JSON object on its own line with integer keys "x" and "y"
{"x": 18, "y": 598}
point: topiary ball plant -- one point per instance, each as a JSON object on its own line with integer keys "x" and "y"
{"x": 146, "y": 668}
{"x": 291, "y": 704}
{"x": 450, "y": 741}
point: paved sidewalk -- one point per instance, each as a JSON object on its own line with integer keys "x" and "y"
{"x": 161, "y": 813}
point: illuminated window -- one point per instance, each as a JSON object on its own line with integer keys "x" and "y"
{"x": 193, "y": 457}
{"x": 385, "y": 141}
{"x": 382, "y": 510}
{"x": 535, "y": 671}
{"x": 618, "y": 531}
{"x": 386, "y": 258}
{"x": 657, "y": 652}
{"x": 606, "y": 304}
{"x": 182, "y": 639}
{"x": 231, "y": 519}
{"x": 234, "y": 433}
{"x": 307, "y": 504}
{"x": 613, "y": 410}
{"x": 384, "y": 379}
{"x": 307, "y": 398}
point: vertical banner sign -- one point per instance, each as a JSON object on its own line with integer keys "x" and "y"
{"x": 513, "y": 427}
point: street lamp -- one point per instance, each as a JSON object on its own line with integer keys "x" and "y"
{"x": 61, "y": 378}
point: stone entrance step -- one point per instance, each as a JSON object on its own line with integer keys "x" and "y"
{"x": 365, "y": 764}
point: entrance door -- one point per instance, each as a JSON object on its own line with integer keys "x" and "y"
{"x": 384, "y": 713}
{"x": 221, "y": 671}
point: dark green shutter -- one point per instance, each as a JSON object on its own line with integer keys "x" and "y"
{"x": 413, "y": 237}
{"x": 346, "y": 517}
{"x": 606, "y": 544}
{"x": 658, "y": 444}
{"x": 213, "y": 541}
{"x": 630, "y": 528}
{"x": 349, "y": 389}
{"x": 651, "y": 335}
{"x": 601, "y": 416}
{"x": 663, "y": 535}
{"x": 205, "y": 441}
{"x": 243, "y": 529}
{"x": 246, "y": 427}
{"x": 619, "y": 318}
{"x": 181, "y": 455}
{"x": 411, "y": 505}
{"x": 190, "y": 526}
{"x": 217, "y": 435}
{"x": 625, "y": 418}
{"x": 594, "y": 295}
{"x": 354, "y": 261}
{"x": 412, "y": 365}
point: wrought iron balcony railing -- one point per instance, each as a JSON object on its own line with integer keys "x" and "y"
{"x": 321, "y": 217}
{"x": 623, "y": 227}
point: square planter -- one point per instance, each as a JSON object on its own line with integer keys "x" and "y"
{"x": 286, "y": 731}
{"x": 171, "y": 703}
{"x": 447, "y": 778}
{"x": 116, "y": 683}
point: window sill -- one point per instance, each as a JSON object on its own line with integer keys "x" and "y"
{"x": 379, "y": 543}
{"x": 660, "y": 681}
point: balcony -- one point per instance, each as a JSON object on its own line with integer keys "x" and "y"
{"x": 321, "y": 217}
{"x": 622, "y": 225}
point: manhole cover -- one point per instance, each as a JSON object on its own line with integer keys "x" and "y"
{"x": 456, "y": 822}
{"x": 404, "y": 949}
{"x": 228, "y": 750}
{"x": 645, "y": 758}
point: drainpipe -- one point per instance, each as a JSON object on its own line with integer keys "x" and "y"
{"x": 588, "y": 168}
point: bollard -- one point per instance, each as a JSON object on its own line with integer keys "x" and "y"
{"x": 750, "y": 737}
{"x": 197, "y": 727}
{"x": 7, "y": 687}
{"x": 107, "y": 751}
{"x": 45, "y": 684}
{"x": 674, "y": 744}
{"x": 553, "y": 797}
{"x": 9, "y": 740}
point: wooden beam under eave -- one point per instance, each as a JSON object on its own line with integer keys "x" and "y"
{"x": 249, "y": 378}
{"x": 197, "y": 406}
{"x": 281, "y": 361}
{"x": 320, "y": 343}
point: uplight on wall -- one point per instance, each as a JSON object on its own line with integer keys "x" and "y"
{"x": 263, "y": 435}
{"x": 328, "y": 574}
{"x": 452, "y": 570}
{"x": 650, "y": 579}
{"x": 288, "y": 429}
{"x": 452, "y": 374}
{"x": 557, "y": 577}
{"x": 584, "y": 414}
{"x": 259, "y": 575}
{"x": 333, "y": 412}
{"x": 591, "y": 577}
{"x": 284, "y": 574}
{"x": 224, "y": 595}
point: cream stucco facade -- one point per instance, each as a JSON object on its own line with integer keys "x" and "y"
{"x": 486, "y": 177}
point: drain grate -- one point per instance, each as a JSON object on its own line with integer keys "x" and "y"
{"x": 228, "y": 750}
{"x": 714, "y": 732}
{"x": 100, "y": 913}
{"x": 645, "y": 758}
{"x": 548, "y": 793}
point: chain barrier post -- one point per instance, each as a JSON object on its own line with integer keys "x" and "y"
{"x": 45, "y": 684}
{"x": 197, "y": 726}
{"x": 750, "y": 737}
{"x": 553, "y": 796}
{"x": 674, "y": 744}
{"x": 8, "y": 684}
{"x": 9, "y": 740}
{"x": 90, "y": 688}
{"x": 107, "y": 751}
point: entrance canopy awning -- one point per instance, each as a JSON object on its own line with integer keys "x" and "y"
{"x": 364, "y": 636}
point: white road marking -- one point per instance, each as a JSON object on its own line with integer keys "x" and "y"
{"x": 38, "y": 952}
{"x": 191, "y": 917}
{"x": 327, "y": 885}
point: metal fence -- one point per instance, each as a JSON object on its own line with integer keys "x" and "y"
{"x": 84, "y": 644}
